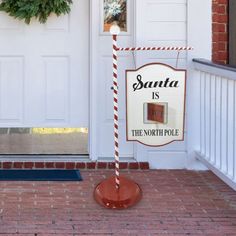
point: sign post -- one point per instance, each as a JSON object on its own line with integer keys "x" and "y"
{"x": 151, "y": 114}
{"x": 117, "y": 192}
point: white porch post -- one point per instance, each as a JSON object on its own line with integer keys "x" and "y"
{"x": 199, "y": 28}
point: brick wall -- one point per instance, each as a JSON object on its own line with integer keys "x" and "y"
{"x": 220, "y": 31}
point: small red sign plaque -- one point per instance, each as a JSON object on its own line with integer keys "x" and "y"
{"x": 156, "y": 112}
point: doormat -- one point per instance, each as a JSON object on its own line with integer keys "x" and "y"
{"x": 40, "y": 175}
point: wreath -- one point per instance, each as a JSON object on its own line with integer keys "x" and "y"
{"x": 40, "y": 9}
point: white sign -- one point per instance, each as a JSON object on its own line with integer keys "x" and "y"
{"x": 155, "y": 96}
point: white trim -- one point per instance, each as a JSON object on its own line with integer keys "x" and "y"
{"x": 215, "y": 71}
{"x": 92, "y": 99}
{"x": 111, "y": 159}
{"x": 44, "y": 158}
{"x": 167, "y": 159}
{"x": 226, "y": 178}
{"x": 199, "y": 29}
{"x": 135, "y": 144}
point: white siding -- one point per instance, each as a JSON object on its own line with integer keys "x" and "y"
{"x": 162, "y": 23}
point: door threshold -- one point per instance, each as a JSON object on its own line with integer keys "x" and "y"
{"x": 112, "y": 159}
{"x": 45, "y": 158}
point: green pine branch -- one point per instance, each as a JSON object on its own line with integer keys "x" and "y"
{"x": 40, "y": 9}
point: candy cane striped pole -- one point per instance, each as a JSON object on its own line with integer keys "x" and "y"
{"x": 115, "y": 31}
{"x": 155, "y": 49}
{"x": 115, "y": 95}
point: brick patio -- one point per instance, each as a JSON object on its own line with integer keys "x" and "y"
{"x": 174, "y": 203}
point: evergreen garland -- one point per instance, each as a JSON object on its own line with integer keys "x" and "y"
{"x": 41, "y": 9}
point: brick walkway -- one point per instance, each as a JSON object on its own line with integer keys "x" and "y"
{"x": 174, "y": 203}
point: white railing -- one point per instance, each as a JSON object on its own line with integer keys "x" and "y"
{"x": 217, "y": 119}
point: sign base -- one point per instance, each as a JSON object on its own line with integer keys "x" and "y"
{"x": 107, "y": 195}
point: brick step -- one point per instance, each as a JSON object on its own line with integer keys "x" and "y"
{"x": 73, "y": 165}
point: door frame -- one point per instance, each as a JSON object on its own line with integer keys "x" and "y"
{"x": 92, "y": 142}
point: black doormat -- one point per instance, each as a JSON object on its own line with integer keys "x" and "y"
{"x": 40, "y": 175}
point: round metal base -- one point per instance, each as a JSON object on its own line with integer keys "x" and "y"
{"x": 107, "y": 195}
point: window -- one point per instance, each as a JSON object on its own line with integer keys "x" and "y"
{"x": 115, "y": 11}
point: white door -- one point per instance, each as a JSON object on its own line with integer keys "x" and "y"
{"x": 44, "y": 70}
{"x": 162, "y": 24}
{"x": 174, "y": 23}
{"x": 102, "y": 98}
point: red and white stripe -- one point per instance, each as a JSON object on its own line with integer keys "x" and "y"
{"x": 155, "y": 49}
{"x": 115, "y": 95}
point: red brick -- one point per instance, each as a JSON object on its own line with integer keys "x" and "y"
{"x": 215, "y": 18}
{"x": 123, "y": 165}
{"x": 133, "y": 165}
{"x": 222, "y": 46}
{"x": 91, "y": 165}
{"x": 7, "y": 165}
{"x": 220, "y": 31}
{"x": 221, "y": 9}
{"x": 215, "y": 47}
{"x": 60, "y": 165}
{"x": 28, "y": 165}
{"x": 111, "y": 165}
{"x": 223, "y": 19}
{"x": 223, "y": 55}
{"x": 224, "y": 2}
{"x": 215, "y": 37}
{"x": 80, "y": 165}
{"x": 18, "y": 165}
{"x": 219, "y": 28}
{"x": 49, "y": 165}
{"x": 174, "y": 203}
{"x": 70, "y": 165}
{"x": 101, "y": 165}
{"x": 39, "y": 165}
{"x": 218, "y": 17}
{"x": 144, "y": 165}
{"x": 223, "y": 37}
{"x": 214, "y": 8}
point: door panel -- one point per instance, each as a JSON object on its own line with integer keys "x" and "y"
{"x": 11, "y": 87}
